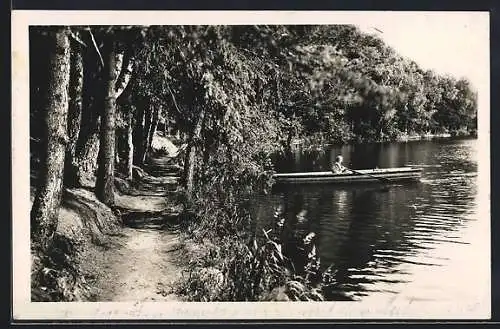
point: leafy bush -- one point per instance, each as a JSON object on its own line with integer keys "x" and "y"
{"x": 236, "y": 267}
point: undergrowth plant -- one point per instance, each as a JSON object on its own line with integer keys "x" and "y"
{"x": 56, "y": 274}
{"x": 237, "y": 266}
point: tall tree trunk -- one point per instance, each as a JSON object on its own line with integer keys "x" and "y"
{"x": 206, "y": 153}
{"x": 289, "y": 139}
{"x": 130, "y": 145}
{"x": 189, "y": 163}
{"x": 148, "y": 122}
{"x": 45, "y": 209}
{"x": 87, "y": 146}
{"x": 152, "y": 130}
{"x": 106, "y": 159}
{"x": 74, "y": 114}
{"x": 138, "y": 134}
{"x": 87, "y": 154}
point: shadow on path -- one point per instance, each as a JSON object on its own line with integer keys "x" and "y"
{"x": 145, "y": 262}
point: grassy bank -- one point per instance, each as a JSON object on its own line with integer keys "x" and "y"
{"x": 228, "y": 260}
{"x": 238, "y": 268}
{"x": 66, "y": 272}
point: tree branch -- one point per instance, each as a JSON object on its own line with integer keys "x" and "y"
{"x": 125, "y": 75}
{"x": 95, "y": 45}
{"x": 173, "y": 99}
{"x": 77, "y": 38}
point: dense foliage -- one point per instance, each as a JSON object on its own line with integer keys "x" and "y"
{"x": 235, "y": 95}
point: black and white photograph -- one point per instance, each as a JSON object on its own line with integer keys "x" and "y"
{"x": 269, "y": 165}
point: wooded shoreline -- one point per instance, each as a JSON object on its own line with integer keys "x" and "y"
{"x": 235, "y": 95}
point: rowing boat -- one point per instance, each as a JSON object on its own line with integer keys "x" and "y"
{"x": 402, "y": 174}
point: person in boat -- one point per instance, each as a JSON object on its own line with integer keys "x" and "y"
{"x": 338, "y": 167}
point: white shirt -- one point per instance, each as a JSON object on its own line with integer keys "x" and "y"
{"x": 338, "y": 168}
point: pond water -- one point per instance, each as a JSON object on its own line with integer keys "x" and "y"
{"x": 422, "y": 241}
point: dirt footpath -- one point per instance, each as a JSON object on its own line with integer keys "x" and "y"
{"x": 141, "y": 261}
{"x": 141, "y": 268}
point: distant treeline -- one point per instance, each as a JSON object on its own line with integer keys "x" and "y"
{"x": 342, "y": 85}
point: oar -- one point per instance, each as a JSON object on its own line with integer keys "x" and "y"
{"x": 363, "y": 173}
